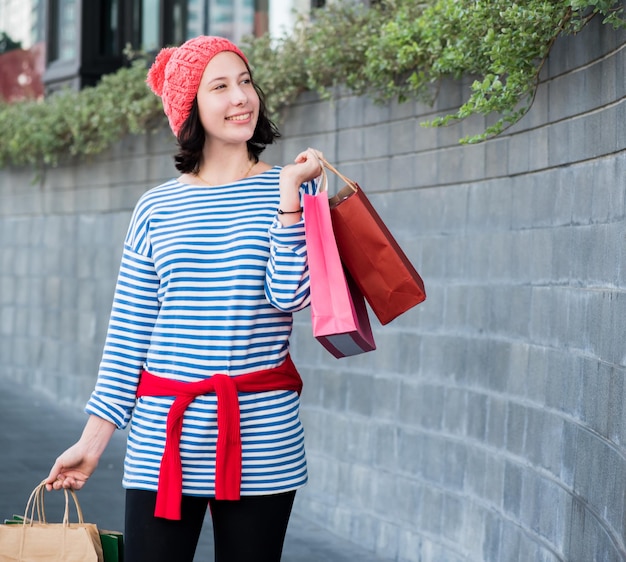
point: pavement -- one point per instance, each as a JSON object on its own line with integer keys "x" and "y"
{"x": 35, "y": 430}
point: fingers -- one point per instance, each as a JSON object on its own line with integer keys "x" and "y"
{"x": 67, "y": 473}
{"x": 308, "y": 155}
{"x": 55, "y": 473}
{"x": 307, "y": 166}
{"x": 63, "y": 481}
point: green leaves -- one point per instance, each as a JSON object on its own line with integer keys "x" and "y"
{"x": 70, "y": 123}
{"x": 396, "y": 49}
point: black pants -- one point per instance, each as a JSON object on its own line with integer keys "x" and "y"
{"x": 249, "y": 530}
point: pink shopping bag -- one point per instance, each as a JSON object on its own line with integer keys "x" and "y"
{"x": 338, "y": 312}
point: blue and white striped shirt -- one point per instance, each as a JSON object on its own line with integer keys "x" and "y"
{"x": 208, "y": 283}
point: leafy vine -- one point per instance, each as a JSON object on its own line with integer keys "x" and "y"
{"x": 396, "y": 49}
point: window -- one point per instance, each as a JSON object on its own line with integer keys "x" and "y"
{"x": 150, "y": 25}
{"x": 62, "y": 30}
{"x": 109, "y": 26}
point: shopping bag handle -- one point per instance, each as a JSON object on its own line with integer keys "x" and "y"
{"x": 327, "y": 166}
{"x": 35, "y": 503}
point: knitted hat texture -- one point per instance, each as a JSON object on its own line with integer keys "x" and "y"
{"x": 176, "y": 73}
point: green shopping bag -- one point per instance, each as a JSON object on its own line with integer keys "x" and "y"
{"x": 112, "y": 546}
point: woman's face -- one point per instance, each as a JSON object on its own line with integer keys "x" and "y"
{"x": 228, "y": 104}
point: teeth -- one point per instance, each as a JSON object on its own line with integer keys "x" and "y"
{"x": 239, "y": 117}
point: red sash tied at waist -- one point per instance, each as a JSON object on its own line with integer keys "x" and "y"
{"x": 228, "y": 453}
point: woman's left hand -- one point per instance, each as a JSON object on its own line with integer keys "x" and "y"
{"x": 309, "y": 163}
{"x": 307, "y": 166}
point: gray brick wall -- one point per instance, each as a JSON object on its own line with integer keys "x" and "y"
{"x": 490, "y": 423}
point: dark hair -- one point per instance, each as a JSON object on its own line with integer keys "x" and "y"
{"x": 191, "y": 137}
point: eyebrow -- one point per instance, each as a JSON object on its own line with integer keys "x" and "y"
{"x": 226, "y": 77}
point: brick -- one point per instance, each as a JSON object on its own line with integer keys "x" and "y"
{"x": 620, "y": 113}
{"x": 511, "y": 536}
{"x": 492, "y": 542}
{"x": 455, "y": 465}
{"x": 376, "y": 141}
{"x": 360, "y": 395}
{"x": 402, "y": 172}
{"x": 402, "y": 138}
{"x": 387, "y": 538}
{"x": 494, "y": 476}
{"x": 562, "y": 241}
{"x": 374, "y": 113}
{"x": 430, "y": 518}
{"x": 451, "y": 165}
{"x": 454, "y": 411}
{"x": 617, "y": 400}
{"x": 7, "y": 323}
{"x": 476, "y": 415}
{"x": 453, "y": 517}
{"x": 350, "y": 112}
{"x": 410, "y": 399}
{"x": 334, "y": 387}
{"x": 8, "y": 287}
{"x": 411, "y": 452}
{"x": 475, "y": 472}
{"x": 409, "y": 545}
{"x": 451, "y": 95}
{"x": 595, "y": 398}
{"x": 350, "y": 144}
{"x": 385, "y": 443}
{"x": 374, "y": 176}
{"x": 336, "y": 442}
{"x": 498, "y": 366}
{"x": 409, "y": 362}
{"x": 516, "y": 428}
{"x": 476, "y": 374}
{"x": 425, "y": 136}
{"x": 401, "y": 110}
{"x": 386, "y": 393}
{"x": 496, "y": 422}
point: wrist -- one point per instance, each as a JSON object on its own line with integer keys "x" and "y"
{"x": 282, "y": 211}
{"x": 289, "y": 184}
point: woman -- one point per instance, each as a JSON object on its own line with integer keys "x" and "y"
{"x": 214, "y": 265}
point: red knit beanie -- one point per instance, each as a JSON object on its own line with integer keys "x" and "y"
{"x": 176, "y": 73}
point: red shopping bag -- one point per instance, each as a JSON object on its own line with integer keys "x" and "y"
{"x": 368, "y": 250}
{"x": 338, "y": 312}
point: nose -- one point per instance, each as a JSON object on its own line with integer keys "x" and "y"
{"x": 239, "y": 96}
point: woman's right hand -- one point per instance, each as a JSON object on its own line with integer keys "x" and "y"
{"x": 73, "y": 467}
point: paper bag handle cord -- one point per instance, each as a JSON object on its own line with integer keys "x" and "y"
{"x": 35, "y": 503}
{"x": 326, "y": 164}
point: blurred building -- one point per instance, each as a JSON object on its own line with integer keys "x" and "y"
{"x": 22, "y": 20}
{"x": 80, "y": 40}
{"x": 22, "y": 50}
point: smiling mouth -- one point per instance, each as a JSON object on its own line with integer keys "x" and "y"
{"x": 243, "y": 117}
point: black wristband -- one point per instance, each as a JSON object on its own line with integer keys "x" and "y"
{"x": 281, "y": 212}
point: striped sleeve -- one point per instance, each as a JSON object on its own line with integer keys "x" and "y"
{"x": 133, "y": 315}
{"x": 287, "y": 279}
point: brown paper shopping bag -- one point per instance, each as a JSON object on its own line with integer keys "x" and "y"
{"x": 380, "y": 268}
{"x": 35, "y": 540}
